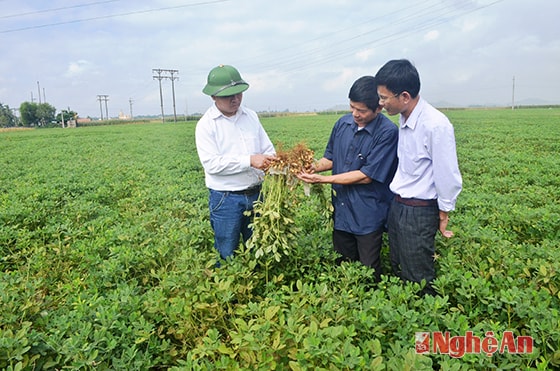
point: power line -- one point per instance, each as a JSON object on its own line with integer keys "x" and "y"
{"x": 330, "y": 37}
{"x": 407, "y": 21}
{"x": 56, "y": 9}
{"x": 112, "y": 16}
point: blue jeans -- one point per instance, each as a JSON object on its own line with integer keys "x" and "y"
{"x": 228, "y": 221}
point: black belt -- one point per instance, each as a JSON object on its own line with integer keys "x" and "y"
{"x": 248, "y": 192}
{"x": 415, "y": 201}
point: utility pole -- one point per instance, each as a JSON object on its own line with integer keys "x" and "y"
{"x": 166, "y": 74}
{"x": 513, "y": 94}
{"x": 160, "y": 77}
{"x": 130, "y": 102}
{"x": 106, "y": 110}
{"x": 39, "y": 90}
{"x": 100, "y": 106}
{"x": 100, "y": 98}
{"x": 173, "y": 78}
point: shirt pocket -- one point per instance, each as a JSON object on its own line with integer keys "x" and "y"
{"x": 412, "y": 163}
{"x": 251, "y": 143}
{"x": 357, "y": 162}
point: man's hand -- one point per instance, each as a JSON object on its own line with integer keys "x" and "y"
{"x": 310, "y": 178}
{"x": 443, "y": 220}
{"x": 261, "y": 161}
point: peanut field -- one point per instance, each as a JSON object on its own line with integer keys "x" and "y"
{"x": 106, "y": 258}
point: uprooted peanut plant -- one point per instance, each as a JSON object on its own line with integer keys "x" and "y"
{"x": 274, "y": 229}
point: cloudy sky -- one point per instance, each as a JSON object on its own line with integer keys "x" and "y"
{"x": 296, "y": 55}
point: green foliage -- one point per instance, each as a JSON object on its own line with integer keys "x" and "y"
{"x": 66, "y": 115}
{"x": 106, "y": 258}
{"x": 274, "y": 229}
{"x": 7, "y": 117}
{"x": 37, "y": 114}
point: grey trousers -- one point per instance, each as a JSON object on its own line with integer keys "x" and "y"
{"x": 412, "y": 231}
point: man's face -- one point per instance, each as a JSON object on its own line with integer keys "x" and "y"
{"x": 229, "y": 105}
{"x": 389, "y": 100}
{"x": 361, "y": 113}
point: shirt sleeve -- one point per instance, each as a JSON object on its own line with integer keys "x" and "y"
{"x": 266, "y": 146}
{"x": 447, "y": 177}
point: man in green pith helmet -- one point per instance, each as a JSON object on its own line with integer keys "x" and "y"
{"x": 234, "y": 149}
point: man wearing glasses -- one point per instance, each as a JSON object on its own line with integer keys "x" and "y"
{"x": 427, "y": 182}
{"x": 233, "y": 149}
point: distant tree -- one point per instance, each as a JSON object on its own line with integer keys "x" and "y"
{"x": 7, "y": 117}
{"x": 66, "y": 115}
{"x": 46, "y": 114}
{"x": 28, "y": 113}
{"x": 34, "y": 114}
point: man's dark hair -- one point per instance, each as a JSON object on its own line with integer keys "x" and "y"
{"x": 364, "y": 90}
{"x": 399, "y": 75}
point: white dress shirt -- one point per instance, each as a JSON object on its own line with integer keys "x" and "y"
{"x": 225, "y": 145}
{"x": 428, "y": 167}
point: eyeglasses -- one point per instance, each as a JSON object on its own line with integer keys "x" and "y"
{"x": 383, "y": 98}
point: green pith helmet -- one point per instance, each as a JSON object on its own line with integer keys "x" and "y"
{"x": 224, "y": 81}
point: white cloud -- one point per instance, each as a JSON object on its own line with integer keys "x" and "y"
{"x": 340, "y": 81}
{"x": 431, "y": 35}
{"x": 78, "y": 68}
{"x": 469, "y": 25}
{"x": 364, "y": 55}
{"x": 267, "y": 81}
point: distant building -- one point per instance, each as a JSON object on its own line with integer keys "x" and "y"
{"x": 122, "y": 116}
{"x": 83, "y": 120}
{"x": 79, "y": 121}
